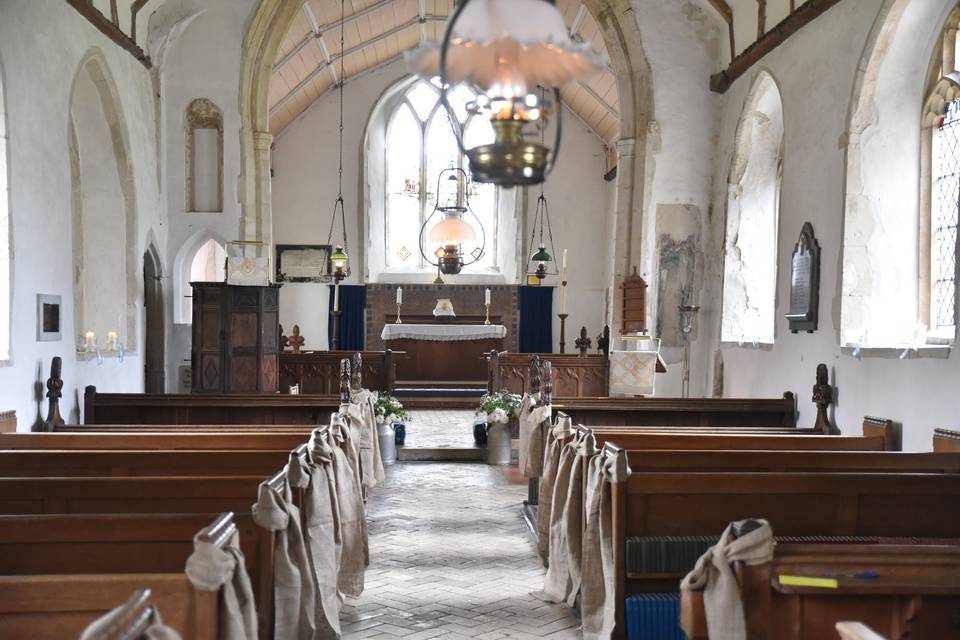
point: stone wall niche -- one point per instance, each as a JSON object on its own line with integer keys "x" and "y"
{"x": 204, "y": 166}
{"x": 104, "y": 208}
{"x": 753, "y": 202}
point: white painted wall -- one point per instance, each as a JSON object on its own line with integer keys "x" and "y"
{"x": 41, "y": 45}
{"x": 816, "y": 71}
{"x": 197, "y": 44}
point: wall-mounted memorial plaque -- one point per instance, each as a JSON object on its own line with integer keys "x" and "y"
{"x": 304, "y": 263}
{"x": 805, "y": 282}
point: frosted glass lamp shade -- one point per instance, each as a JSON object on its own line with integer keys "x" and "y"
{"x": 452, "y": 230}
{"x": 508, "y": 47}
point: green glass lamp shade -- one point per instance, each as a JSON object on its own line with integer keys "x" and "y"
{"x": 541, "y": 255}
{"x": 339, "y": 259}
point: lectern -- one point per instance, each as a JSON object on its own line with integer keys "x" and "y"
{"x": 236, "y": 338}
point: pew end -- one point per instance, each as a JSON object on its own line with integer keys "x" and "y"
{"x": 946, "y": 441}
{"x": 882, "y": 428}
{"x": 693, "y": 617}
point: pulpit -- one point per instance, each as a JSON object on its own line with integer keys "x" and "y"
{"x": 447, "y": 352}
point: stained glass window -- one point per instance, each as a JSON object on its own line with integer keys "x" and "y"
{"x": 943, "y": 231}
{"x": 421, "y": 144}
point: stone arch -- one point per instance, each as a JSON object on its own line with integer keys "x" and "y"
{"x": 621, "y": 34}
{"x": 881, "y": 285}
{"x": 753, "y": 199}
{"x": 104, "y": 205}
{"x": 181, "y": 271}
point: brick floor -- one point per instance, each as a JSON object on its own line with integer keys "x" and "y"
{"x": 440, "y": 428}
{"x": 450, "y": 558}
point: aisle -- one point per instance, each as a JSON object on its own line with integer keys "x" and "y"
{"x": 451, "y": 558}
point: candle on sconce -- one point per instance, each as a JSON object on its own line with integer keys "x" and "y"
{"x": 90, "y": 341}
{"x": 486, "y": 297}
{"x": 399, "y": 295}
{"x": 111, "y": 340}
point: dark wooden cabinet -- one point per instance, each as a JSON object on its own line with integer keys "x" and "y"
{"x": 236, "y": 338}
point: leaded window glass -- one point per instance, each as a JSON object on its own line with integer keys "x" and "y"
{"x": 421, "y": 144}
{"x": 944, "y": 218}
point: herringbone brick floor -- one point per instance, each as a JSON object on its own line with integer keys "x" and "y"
{"x": 450, "y": 558}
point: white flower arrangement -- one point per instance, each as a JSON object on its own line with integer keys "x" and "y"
{"x": 388, "y": 409}
{"x": 499, "y": 407}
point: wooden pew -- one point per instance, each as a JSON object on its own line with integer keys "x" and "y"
{"x": 60, "y": 605}
{"x": 197, "y": 494}
{"x": 638, "y": 439}
{"x": 828, "y": 503}
{"x": 913, "y": 591}
{"x": 160, "y": 441}
{"x": 184, "y": 428}
{"x": 54, "y": 607}
{"x": 711, "y": 412}
{"x": 946, "y": 440}
{"x": 701, "y": 461}
{"x": 84, "y": 463}
{"x": 207, "y": 409}
{"x": 316, "y": 372}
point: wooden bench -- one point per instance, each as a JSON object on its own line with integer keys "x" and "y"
{"x": 159, "y": 441}
{"x": 61, "y": 605}
{"x": 781, "y": 460}
{"x": 913, "y": 591}
{"x": 946, "y": 440}
{"x": 796, "y": 504}
{"x": 84, "y": 463}
{"x": 208, "y": 409}
{"x": 184, "y": 428}
{"x": 197, "y": 494}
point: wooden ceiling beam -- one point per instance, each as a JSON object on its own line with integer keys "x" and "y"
{"x": 804, "y": 15}
{"x": 321, "y": 41}
{"x": 359, "y": 47}
{"x": 109, "y": 29}
{"x": 324, "y": 28}
{"x": 726, "y": 12}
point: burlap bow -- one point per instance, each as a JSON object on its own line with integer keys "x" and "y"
{"x": 714, "y": 576}
{"x": 212, "y": 568}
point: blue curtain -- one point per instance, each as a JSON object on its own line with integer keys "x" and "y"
{"x": 353, "y": 302}
{"x": 536, "y": 319}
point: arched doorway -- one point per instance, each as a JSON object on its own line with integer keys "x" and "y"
{"x": 153, "y": 330}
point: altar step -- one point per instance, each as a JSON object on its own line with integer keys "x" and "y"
{"x": 406, "y": 390}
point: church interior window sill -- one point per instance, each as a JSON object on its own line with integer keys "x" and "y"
{"x": 758, "y": 345}
{"x": 84, "y": 356}
{"x": 936, "y": 351}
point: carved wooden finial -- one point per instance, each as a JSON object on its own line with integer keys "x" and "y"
{"x": 603, "y": 341}
{"x": 823, "y": 398}
{"x": 356, "y": 380}
{"x": 534, "y": 373}
{"x": 296, "y": 340}
{"x": 344, "y": 380}
{"x": 54, "y": 393}
{"x": 583, "y": 343}
{"x": 547, "y": 396}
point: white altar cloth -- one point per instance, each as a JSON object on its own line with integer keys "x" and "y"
{"x": 443, "y": 332}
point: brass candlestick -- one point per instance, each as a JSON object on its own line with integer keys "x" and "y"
{"x": 563, "y": 331}
{"x": 398, "y": 320}
{"x": 487, "y": 321}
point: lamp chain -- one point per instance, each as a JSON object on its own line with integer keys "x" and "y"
{"x": 338, "y": 203}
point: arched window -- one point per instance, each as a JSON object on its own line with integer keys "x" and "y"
{"x": 419, "y": 145}
{"x": 5, "y": 240}
{"x": 940, "y": 193}
{"x": 206, "y": 264}
{"x": 753, "y": 203}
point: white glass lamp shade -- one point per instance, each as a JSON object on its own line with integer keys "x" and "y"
{"x": 507, "y": 48}
{"x": 452, "y": 231}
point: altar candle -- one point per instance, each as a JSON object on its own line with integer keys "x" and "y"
{"x": 564, "y": 264}
{"x": 486, "y": 297}
{"x": 336, "y": 297}
{"x": 399, "y": 295}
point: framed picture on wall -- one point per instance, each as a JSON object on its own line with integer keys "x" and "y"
{"x": 304, "y": 263}
{"x": 48, "y": 318}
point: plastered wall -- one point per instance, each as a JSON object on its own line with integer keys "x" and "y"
{"x": 42, "y": 42}
{"x": 816, "y": 71}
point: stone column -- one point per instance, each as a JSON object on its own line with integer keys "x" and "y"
{"x": 627, "y": 232}
{"x": 258, "y": 223}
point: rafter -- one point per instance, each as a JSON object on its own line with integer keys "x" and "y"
{"x": 359, "y": 47}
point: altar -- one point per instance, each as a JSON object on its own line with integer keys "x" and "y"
{"x": 443, "y": 354}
